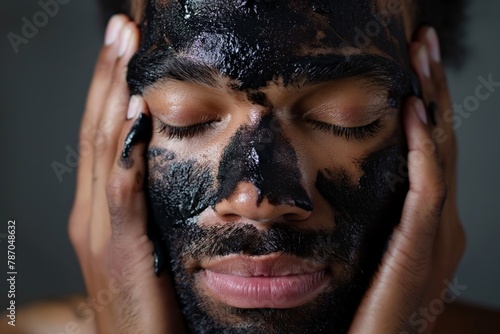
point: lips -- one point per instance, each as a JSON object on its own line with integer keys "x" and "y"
{"x": 270, "y": 281}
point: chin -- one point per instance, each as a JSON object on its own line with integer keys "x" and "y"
{"x": 320, "y": 300}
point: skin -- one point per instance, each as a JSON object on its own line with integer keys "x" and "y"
{"x": 263, "y": 119}
{"x": 108, "y": 225}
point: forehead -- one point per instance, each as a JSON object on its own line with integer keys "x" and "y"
{"x": 255, "y": 41}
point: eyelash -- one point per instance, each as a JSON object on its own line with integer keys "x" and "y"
{"x": 182, "y": 132}
{"x": 358, "y": 133}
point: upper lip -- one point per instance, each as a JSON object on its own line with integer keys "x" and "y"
{"x": 275, "y": 264}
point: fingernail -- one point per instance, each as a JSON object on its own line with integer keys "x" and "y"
{"x": 159, "y": 258}
{"x": 113, "y": 30}
{"x": 423, "y": 59}
{"x": 134, "y": 106}
{"x": 420, "y": 111}
{"x": 139, "y": 133}
{"x": 158, "y": 251}
{"x": 124, "y": 41}
{"x": 433, "y": 42}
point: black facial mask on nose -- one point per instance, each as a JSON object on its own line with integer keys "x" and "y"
{"x": 262, "y": 156}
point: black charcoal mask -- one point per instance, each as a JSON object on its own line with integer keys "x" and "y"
{"x": 254, "y": 43}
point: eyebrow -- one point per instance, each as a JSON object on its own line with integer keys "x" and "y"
{"x": 379, "y": 71}
{"x": 308, "y": 70}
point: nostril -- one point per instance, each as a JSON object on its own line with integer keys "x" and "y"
{"x": 295, "y": 217}
{"x": 244, "y": 204}
{"x": 229, "y": 217}
{"x": 304, "y": 204}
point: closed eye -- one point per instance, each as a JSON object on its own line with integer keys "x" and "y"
{"x": 357, "y": 133}
{"x": 182, "y": 132}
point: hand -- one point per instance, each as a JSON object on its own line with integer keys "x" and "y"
{"x": 427, "y": 245}
{"x": 108, "y": 223}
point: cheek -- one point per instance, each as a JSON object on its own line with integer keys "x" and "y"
{"x": 318, "y": 151}
{"x": 178, "y": 190}
{"x": 365, "y": 211}
{"x": 371, "y": 198}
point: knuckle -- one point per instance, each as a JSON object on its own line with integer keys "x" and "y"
{"x": 100, "y": 147}
{"x": 84, "y": 135}
{"x": 120, "y": 188}
{"x": 438, "y": 192}
{"x": 119, "y": 75}
{"x": 105, "y": 62}
{"x": 115, "y": 192}
{"x": 434, "y": 191}
{"x": 85, "y": 141}
{"x": 102, "y": 140}
{"x": 138, "y": 183}
{"x": 428, "y": 147}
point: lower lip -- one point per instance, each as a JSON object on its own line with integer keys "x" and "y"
{"x": 263, "y": 291}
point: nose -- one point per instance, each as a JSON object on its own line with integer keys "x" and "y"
{"x": 259, "y": 177}
{"x": 245, "y": 203}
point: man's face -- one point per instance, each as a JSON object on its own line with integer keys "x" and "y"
{"x": 276, "y": 145}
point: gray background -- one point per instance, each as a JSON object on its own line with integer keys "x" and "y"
{"x": 42, "y": 93}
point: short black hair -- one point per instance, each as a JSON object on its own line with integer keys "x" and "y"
{"x": 446, "y": 16}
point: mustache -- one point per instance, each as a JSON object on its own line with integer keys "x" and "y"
{"x": 198, "y": 242}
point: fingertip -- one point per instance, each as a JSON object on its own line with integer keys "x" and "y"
{"x": 415, "y": 121}
{"x": 422, "y": 160}
{"x": 419, "y": 109}
{"x": 423, "y": 61}
{"x": 138, "y": 132}
{"x": 124, "y": 40}
{"x": 432, "y": 42}
{"x": 129, "y": 40}
{"x": 420, "y": 64}
{"x": 115, "y": 25}
{"x": 135, "y": 106}
{"x": 415, "y": 111}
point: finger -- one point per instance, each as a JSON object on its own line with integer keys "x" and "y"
{"x": 424, "y": 201}
{"x": 420, "y": 62}
{"x": 444, "y": 109}
{"x": 400, "y": 284}
{"x": 432, "y": 76}
{"x": 438, "y": 102}
{"x": 112, "y": 118}
{"x": 125, "y": 188}
{"x": 110, "y": 124}
{"x": 451, "y": 238}
{"x": 95, "y": 101}
{"x": 96, "y": 98}
{"x": 429, "y": 37}
{"x": 131, "y": 249}
{"x": 79, "y": 222}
